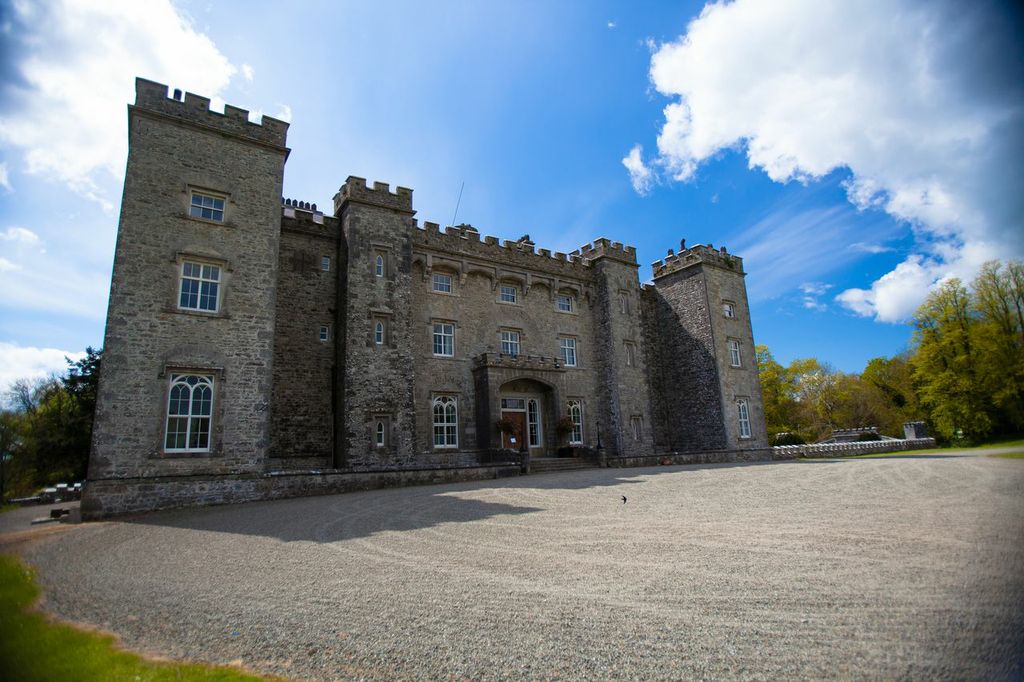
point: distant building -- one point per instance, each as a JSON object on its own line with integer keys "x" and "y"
{"x": 257, "y": 347}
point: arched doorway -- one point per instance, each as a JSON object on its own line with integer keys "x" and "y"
{"x": 526, "y": 405}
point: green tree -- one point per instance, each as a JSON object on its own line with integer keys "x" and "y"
{"x": 998, "y": 341}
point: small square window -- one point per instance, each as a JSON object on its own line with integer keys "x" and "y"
{"x": 325, "y": 263}
{"x": 325, "y": 333}
{"x": 207, "y": 207}
{"x": 442, "y": 283}
{"x": 509, "y": 294}
{"x": 729, "y": 309}
{"x": 565, "y": 303}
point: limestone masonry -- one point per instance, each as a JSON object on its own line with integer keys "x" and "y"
{"x": 257, "y": 347}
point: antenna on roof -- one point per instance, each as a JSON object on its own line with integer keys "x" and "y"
{"x": 457, "y": 202}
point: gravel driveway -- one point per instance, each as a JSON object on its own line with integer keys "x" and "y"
{"x": 907, "y": 567}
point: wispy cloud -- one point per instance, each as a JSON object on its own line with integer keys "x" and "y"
{"x": 20, "y": 235}
{"x": 65, "y": 73}
{"x": 811, "y": 292}
{"x": 930, "y": 127}
{"x": 640, "y": 175}
{"x": 5, "y": 178}
{"x": 871, "y": 248}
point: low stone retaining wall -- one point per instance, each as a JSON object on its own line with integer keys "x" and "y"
{"x": 109, "y": 497}
{"x": 699, "y": 457}
{"x": 850, "y": 449}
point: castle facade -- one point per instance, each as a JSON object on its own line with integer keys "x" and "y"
{"x": 258, "y": 347}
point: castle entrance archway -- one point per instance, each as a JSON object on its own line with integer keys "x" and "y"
{"x": 526, "y": 408}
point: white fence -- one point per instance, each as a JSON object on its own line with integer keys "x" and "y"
{"x": 848, "y": 449}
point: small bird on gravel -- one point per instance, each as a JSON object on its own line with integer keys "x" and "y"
{"x": 623, "y": 499}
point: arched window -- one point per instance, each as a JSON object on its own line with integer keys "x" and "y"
{"x": 446, "y": 422}
{"x": 189, "y": 409}
{"x": 378, "y": 333}
{"x": 380, "y": 435}
{"x": 378, "y": 267}
{"x": 575, "y": 409}
{"x": 533, "y": 422}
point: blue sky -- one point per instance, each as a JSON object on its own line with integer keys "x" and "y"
{"x": 853, "y": 153}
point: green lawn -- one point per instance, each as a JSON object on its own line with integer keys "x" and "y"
{"x": 32, "y": 648}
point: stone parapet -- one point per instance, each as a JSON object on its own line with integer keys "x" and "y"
{"x": 194, "y": 109}
{"x": 696, "y": 255}
{"x": 825, "y": 450}
{"x": 355, "y": 189}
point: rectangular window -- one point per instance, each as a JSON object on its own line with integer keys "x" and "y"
{"x": 444, "y": 339}
{"x": 568, "y": 348}
{"x": 575, "y": 410}
{"x": 206, "y": 207}
{"x": 442, "y": 284}
{"x": 513, "y": 403}
{"x": 446, "y": 422}
{"x": 509, "y": 294}
{"x": 200, "y": 287}
{"x": 734, "y": 352}
{"x": 729, "y": 309}
{"x": 325, "y": 333}
{"x": 636, "y": 423}
{"x": 510, "y": 342}
{"x": 744, "y": 417}
{"x": 565, "y": 303}
{"x": 189, "y": 412}
{"x": 325, "y": 263}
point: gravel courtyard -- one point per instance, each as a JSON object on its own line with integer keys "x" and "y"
{"x": 904, "y": 567}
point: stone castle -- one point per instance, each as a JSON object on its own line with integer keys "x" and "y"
{"x": 257, "y": 347}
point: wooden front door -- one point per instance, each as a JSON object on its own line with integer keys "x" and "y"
{"x": 519, "y": 419}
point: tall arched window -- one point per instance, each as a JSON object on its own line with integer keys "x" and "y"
{"x": 380, "y": 435}
{"x": 446, "y": 422}
{"x": 378, "y": 267}
{"x": 378, "y": 333}
{"x": 189, "y": 409}
{"x": 533, "y": 422}
{"x": 575, "y": 409}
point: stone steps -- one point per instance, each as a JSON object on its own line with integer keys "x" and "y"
{"x": 541, "y": 465}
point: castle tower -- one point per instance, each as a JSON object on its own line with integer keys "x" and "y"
{"x": 375, "y": 423}
{"x": 187, "y": 367}
{"x": 625, "y": 422}
{"x": 704, "y": 371}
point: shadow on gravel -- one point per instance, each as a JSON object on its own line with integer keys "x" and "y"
{"x": 333, "y": 518}
{"x": 862, "y": 458}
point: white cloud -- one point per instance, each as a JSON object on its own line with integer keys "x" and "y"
{"x": 76, "y": 64}
{"x": 871, "y": 248}
{"x": 811, "y": 291}
{"x": 639, "y": 174}
{"x": 922, "y": 102}
{"x": 28, "y": 362}
{"x": 5, "y": 178}
{"x": 247, "y": 72}
{"x": 21, "y": 235}
{"x": 611, "y": 24}
{"x": 8, "y": 266}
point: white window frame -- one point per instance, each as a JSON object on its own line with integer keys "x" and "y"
{"x": 444, "y": 411}
{"x": 204, "y": 281}
{"x": 567, "y": 347}
{"x": 508, "y": 293}
{"x": 379, "y": 332}
{"x": 325, "y": 263}
{"x": 533, "y": 427}
{"x": 325, "y": 333}
{"x": 735, "y": 360}
{"x": 441, "y": 283}
{"x": 194, "y": 419}
{"x": 743, "y": 416}
{"x": 445, "y": 332}
{"x": 569, "y": 302}
{"x": 209, "y": 203}
{"x": 574, "y": 410}
{"x": 728, "y": 309}
{"x": 380, "y": 432}
{"x": 511, "y": 342}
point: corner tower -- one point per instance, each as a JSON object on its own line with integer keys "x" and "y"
{"x": 186, "y": 383}
{"x": 704, "y": 370}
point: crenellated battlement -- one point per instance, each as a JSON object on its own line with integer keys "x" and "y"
{"x": 602, "y": 247}
{"x": 195, "y": 109}
{"x": 293, "y": 208}
{"x": 694, "y": 255}
{"x": 356, "y": 189}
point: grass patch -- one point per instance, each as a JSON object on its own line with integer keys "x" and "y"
{"x": 1011, "y": 442}
{"x": 33, "y": 648}
{"x": 7, "y": 507}
{"x": 1009, "y": 455}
